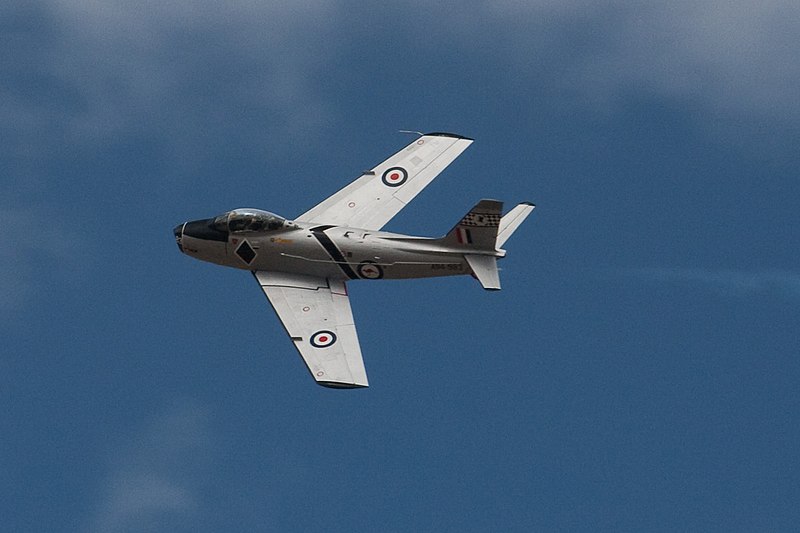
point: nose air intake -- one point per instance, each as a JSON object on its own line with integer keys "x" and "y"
{"x": 202, "y": 229}
{"x": 178, "y": 232}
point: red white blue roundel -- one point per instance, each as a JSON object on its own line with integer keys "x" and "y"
{"x": 394, "y": 177}
{"x": 323, "y": 339}
{"x": 369, "y": 270}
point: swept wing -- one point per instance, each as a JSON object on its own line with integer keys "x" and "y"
{"x": 317, "y": 316}
{"x": 379, "y": 194}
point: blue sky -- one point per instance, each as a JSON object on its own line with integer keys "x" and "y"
{"x": 639, "y": 370}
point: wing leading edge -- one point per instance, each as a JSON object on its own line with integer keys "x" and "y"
{"x": 379, "y": 194}
{"x": 316, "y": 314}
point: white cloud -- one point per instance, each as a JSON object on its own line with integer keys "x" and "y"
{"x": 731, "y": 282}
{"x": 157, "y": 476}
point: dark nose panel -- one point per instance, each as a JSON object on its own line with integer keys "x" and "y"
{"x": 201, "y": 229}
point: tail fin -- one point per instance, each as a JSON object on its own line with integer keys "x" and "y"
{"x": 478, "y": 229}
{"x": 511, "y": 221}
{"x": 481, "y": 233}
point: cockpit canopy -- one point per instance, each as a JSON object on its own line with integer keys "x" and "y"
{"x": 245, "y": 220}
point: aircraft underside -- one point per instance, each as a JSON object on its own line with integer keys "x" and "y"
{"x": 303, "y": 265}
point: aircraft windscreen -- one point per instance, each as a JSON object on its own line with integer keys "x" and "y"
{"x": 244, "y": 220}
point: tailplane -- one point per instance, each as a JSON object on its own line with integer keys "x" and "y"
{"x": 511, "y": 221}
{"x": 481, "y": 233}
{"x": 476, "y": 235}
{"x": 484, "y": 267}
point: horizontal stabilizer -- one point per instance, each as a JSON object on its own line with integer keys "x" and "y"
{"x": 512, "y": 220}
{"x": 485, "y": 269}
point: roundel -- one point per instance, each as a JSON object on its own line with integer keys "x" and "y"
{"x": 323, "y": 339}
{"x": 370, "y": 270}
{"x": 394, "y": 177}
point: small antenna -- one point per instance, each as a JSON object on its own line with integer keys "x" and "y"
{"x": 412, "y": 132}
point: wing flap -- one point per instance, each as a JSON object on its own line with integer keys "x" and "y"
{"x": 317, "y": 316}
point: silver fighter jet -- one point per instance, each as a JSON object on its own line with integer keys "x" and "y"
{"x": 303, "y": 265}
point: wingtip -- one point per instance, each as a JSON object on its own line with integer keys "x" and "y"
{"x": 340, "y": 385}
{"x": 446, "y": 134}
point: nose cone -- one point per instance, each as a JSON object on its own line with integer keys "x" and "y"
{"x": 178, "y": 232}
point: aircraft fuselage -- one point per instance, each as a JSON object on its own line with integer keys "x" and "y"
{"x": 326, "y": 251}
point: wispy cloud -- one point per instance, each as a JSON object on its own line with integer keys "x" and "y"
{"x": 183, "y": 74}
{"x": 731, "y": 282}
{"x": 134, "y": 58}
{"x": 733, "y": 57}
{"x": 157, "y": 477}
{"x": 177, "y": 71}
{"x": 26, "y": 258}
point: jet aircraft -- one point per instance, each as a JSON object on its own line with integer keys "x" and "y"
{"x": 303, "y": 265}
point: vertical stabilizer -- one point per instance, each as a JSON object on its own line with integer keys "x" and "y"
{"x": 485, "y": 269}
{"x": 478, "y": 228}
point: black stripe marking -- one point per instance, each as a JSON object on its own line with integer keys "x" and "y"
{"x": 333, "y": 251}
